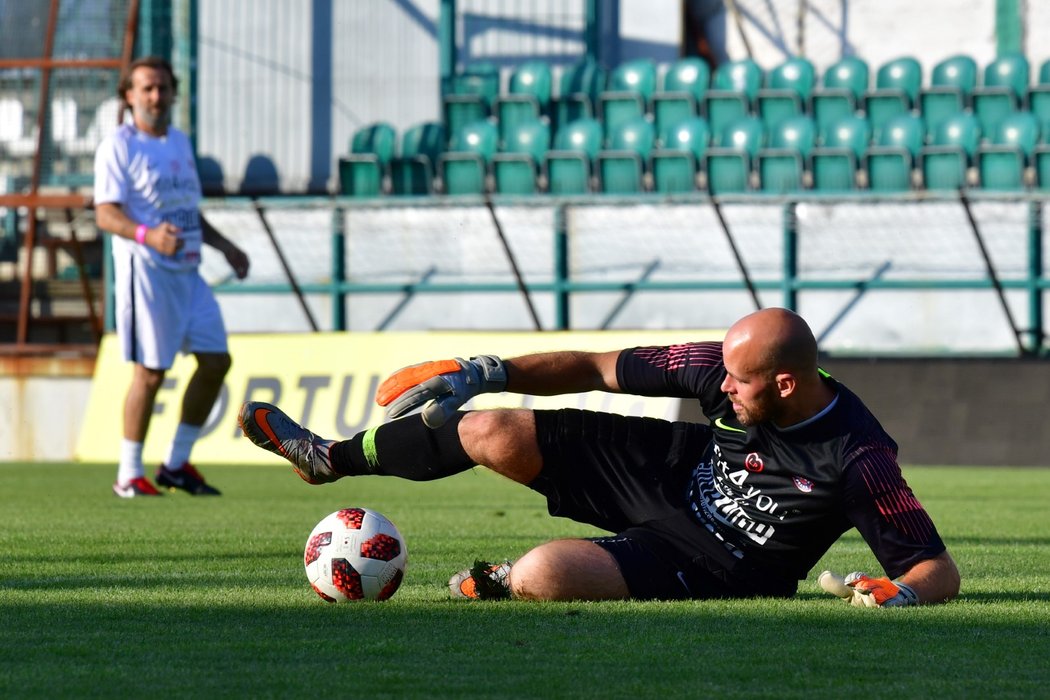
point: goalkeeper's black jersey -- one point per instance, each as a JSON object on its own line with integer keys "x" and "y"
{"x": 780, "y": 497}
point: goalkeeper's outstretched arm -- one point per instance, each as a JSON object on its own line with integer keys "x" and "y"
{"x": 562, "y": 372}
{"x": 442, "y": 387}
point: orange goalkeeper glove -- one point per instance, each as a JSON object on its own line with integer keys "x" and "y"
{"x": 445, "y": 384}
{"x": 864, "y": 591}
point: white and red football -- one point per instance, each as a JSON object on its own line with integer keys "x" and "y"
{"x": 355, "y": 554}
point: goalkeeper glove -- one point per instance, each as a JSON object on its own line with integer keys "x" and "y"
{"x": 446, "y": 384}
{"x": 864, "y": 591}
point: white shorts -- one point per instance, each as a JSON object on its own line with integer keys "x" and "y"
{"x": 161, "y": 312}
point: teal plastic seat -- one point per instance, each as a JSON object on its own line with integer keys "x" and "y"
{"x": 951, "y": 152}
{"x": 787, "y": 91}
{"x": 361, "y": 173}
{"x": 841, "y": 92}
{"x": 626, "y": 98}
{"x": 621, "y": 167}
{"x": 1001, "y": 164}
{"x": 471, "y": 96}
{"x": 1039, "y": 103}
{"x": 412, "y": 173}
{"x": 568, "y": 165}
{"x": 952, "y": 83}
{"x": 679, "y": 153}
{"x": 733, "y": 91}
{"x": 782, "y": 164}
{"x": 1002, "y": 90}
{"x": 840, "y": 154}
{"x": 1042, "y": 167}
{"x": 896, "y": 92}
{"x": 464, "y": 167}
{"x": 681, "y": 92}
{"x": 516, "y": 167}
{"x": 1039, "y": 100}
{"x": 528, "y": 97}
{"x": 729, "y": 163}
{"x": 891, "y": 161}
{"x": 578, "y": 89}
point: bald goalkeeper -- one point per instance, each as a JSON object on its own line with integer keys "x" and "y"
{"x": 745, "y": 506}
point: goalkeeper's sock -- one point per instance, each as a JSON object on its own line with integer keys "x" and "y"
{"x": 406, "y": 448}
{"x": 181, "y": 446}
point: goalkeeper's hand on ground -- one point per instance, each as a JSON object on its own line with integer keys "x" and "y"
{"x": 861, "y": 590}
{"x": 445, "y": 384}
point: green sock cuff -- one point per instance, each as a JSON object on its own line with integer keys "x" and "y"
{"x": 368, "y": 446}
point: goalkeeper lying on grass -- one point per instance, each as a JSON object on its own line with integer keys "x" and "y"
{"x": 743, "y": 507}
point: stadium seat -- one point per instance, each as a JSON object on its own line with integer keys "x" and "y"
{"x": 568, "y": 165}
{"x": 15, "y": 139}
{"x": 733, "y": 90}
{"x": 621, "y": 166}
{"x": 896, "y": 92}
{"x": 464, "y": 167}
{"x": 626, "y": 98}
{"x": 1039, "y": 100}
{"x": 1041, "y": 156}
{"x": 1002, "y": 91}
{"x": 953, "y": 146}
{"x": 787, "y": 91}
{"x": 412, "y": 173}
{"x": 681, "y": 93}
{"x": 890, "y": 163}
{"x": 951, "y": 84}
{"x": 679, "y": 153}
{"x": 362, "y": 172}
{"x": 578, "y": 90}
{"x": 840, "y": 155}
{"x": 105, "y": 120}
{"x": 782, "y": 165}
{"x": 841, "y": 93}
{"x": 528, "y": 97}
{"x": 515, "y": 168}
{"x": 1039, "y": 103}
{"x": 1001, "y": 164}
{"x": 471, "y": 96}
{"x": 728, "y": 164}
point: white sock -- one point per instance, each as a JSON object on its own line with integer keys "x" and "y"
{"x": 182, "y": 445}
{"x": 130, "y": 466}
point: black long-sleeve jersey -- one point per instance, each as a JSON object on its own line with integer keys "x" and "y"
{"x": 779, "y": 497}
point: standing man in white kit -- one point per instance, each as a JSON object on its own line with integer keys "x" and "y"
{"x": 147, "y": 194}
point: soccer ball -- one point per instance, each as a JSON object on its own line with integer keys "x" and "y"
{"x": 355, "y": 554}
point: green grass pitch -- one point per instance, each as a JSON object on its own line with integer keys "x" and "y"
{"x": 194, "y": 597}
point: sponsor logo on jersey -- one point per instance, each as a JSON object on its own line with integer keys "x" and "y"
{"x": 753, "y": 463}
{"x": 802, "y": 484}
{"x": 719, "y": 423}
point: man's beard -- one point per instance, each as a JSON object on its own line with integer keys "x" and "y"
{"x": 155, "y": 120}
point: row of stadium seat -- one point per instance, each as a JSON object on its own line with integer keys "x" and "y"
{"x": 739, "y": 88}
{"x": 635, "y": 139}
{"x": 793, "y": 156}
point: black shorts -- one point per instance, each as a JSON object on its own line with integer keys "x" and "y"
{"x": 629, "y": 475}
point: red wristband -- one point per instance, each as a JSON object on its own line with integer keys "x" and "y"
{"x": 140, "y": 234}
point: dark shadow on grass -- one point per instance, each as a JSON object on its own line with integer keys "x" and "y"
{"x": 407, "y": 648}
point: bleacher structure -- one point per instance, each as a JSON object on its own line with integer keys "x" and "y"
{"x": 681, "y": 127}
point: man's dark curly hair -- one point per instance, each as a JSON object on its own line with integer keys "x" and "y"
{"x": 155, "y": 62}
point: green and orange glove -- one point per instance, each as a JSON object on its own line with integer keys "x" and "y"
{"x": 443, "y": 386}
{"x": 863, "y": 591}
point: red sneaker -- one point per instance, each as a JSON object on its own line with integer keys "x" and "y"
{"x": 139, "y": 486}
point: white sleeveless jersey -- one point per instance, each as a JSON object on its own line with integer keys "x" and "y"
{"x": 153, "y": 180}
